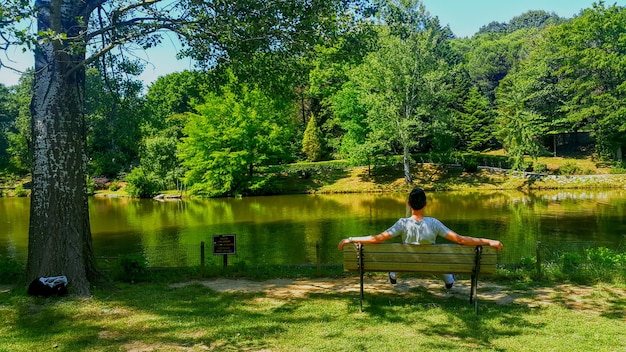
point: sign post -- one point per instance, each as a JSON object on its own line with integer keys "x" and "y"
{"x": 224, "y": 245}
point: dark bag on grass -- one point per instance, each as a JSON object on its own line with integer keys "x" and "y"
{"x": 48, "y": 286}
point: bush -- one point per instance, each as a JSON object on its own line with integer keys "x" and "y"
{"x": 10, "y": 270}
{"x": 571, "y": 263}
{"x": 91, "y": 186}
{"x": 115, "y": 186}
{"x": 133, "y": 268}
{"x": 603, "y": 257}
{"x": 100, "y": 182}
{"x": 20, "y": 191}
{"x": 540, "y": 167}
{"x": 142, "y": 184}
{"x": 306, "y": 169}
{"x": 569, "y": 168}
{"x": 470, "y": 164}
{"x": 619, "y": 168}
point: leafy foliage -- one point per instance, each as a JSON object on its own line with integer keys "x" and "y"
{"x": 170, "y": 96}
{"x": 476, "y": 122}
{"x": 133, "y": 268}
{"x": 352, "y": 116}
{"x": 595, "y": 264}
{"x": 115, "y": 110}
{"x": 15, "y": 132}
{"x": 493, "y": 57}
{"x": 312, "y": 144}
{"x": 575, "y": 77}
{"x": 404, "y": 83}
{"x": 158, "y": 158}
{"x": 530, "y": 19}
{"x": 142, "y": 183}
{"x": 519, "y": 126}
{"x": 230, "y": 136}
{"x": 10, "y": 270}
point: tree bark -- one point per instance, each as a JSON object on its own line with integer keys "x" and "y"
{"x": 407, "y": 164}
{"x": 59, "y": 233}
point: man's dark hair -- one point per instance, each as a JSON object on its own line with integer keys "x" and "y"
{"x": 417, "y": 198}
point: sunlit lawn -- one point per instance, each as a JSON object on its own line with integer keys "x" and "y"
{"x": 157, "y": 317}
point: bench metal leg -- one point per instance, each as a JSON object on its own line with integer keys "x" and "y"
{"x": 359, "y": 247}
{"x": 473, "y": 296}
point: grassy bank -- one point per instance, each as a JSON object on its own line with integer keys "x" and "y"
{"x": 277, "y": 316}
{"x": 576, "y": 304}
{"x": 442, "y": 177}
{"x": 338, "y": 177}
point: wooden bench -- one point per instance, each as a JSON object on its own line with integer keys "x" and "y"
{"x": 427, "y": 259}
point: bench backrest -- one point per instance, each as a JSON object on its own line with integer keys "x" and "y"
{"x": 435, "y": 258}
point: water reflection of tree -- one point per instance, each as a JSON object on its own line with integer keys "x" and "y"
{"x": 286, "y": 229}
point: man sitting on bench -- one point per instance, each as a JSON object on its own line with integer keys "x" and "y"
{"x": 419, "y": 229}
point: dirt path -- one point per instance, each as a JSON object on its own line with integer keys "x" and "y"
{"x": 591, "y": 299}
{"x": 575, "y": 297}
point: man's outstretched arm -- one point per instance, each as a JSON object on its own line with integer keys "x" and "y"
{"x": 365, "y": 239}
{"x": 473, "y": 241}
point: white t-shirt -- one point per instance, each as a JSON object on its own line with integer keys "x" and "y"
{"x": 418, "y": 232}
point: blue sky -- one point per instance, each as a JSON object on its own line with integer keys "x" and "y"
{"x": 464, "y": 17}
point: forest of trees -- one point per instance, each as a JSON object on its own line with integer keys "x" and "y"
{"x": 389, "y": 80}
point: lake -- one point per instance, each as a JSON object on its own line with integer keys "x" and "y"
{"x": 293, "y": 229}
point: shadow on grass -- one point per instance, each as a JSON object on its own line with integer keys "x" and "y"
{"x": 296, "y": 184}
{"x": 385, "y": 178}
{"x": 158, "y": 317}
{"x": 460, "y": 319}
{"x": 146, "y": 317}
{"x": 617, "y": 308}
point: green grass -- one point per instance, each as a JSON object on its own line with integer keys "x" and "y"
{"x": 160, "y": 317}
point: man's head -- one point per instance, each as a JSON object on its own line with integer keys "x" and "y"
{"x": 417, "y": 199}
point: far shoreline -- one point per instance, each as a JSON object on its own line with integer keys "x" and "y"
{"x": 361, "y": 179}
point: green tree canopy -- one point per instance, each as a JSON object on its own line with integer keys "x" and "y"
{"x": 351, "y": 112}
{"x": 8, "y": 114}
{"x": 519, "y": 128}
{"x": 406, "y": 82}
{"x": 587, "y": 55}
{"x": 230, "y": 136}
{"x": 115, "y": 111}
{"x": 574, "y": 78}
{"x": 491, "y": 57}
{"x": 15, "y": 133}
{"x": 529, "y": 19}
{"x": 174, "y": 94}
{"x": 476, "y": 122}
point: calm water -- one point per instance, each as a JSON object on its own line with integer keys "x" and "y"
{"x": 286, "y": 229}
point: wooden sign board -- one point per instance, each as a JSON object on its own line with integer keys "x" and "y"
{"x": 224, "y": 244}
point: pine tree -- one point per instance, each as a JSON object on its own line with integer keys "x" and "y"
{"x": 312, "y": 141}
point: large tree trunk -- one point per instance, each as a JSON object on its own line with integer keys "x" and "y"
{"x": 59, "y": 234}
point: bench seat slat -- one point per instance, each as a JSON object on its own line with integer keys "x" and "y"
{"x": 422, "y": 258}
{"x": 426, "y": 268}
{"x": 416, "y": 248}
{"x": 436, "y": 258}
